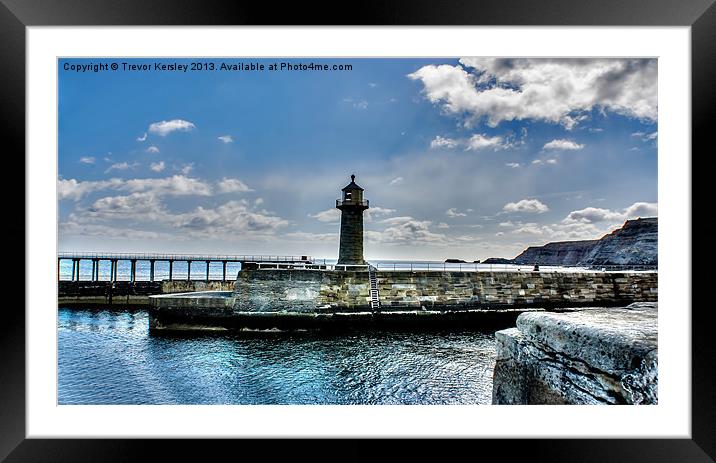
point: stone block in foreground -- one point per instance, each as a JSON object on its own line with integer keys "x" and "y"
{"x": 588, "y": 356}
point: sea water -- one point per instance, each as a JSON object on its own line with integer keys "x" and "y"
{"x": 110, "y": 357}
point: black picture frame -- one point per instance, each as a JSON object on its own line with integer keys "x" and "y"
{"x": 700, "y": 15}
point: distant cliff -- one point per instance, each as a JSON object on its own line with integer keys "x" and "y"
{"x": 633, "y": 244}
{"x": 558, "y": 253}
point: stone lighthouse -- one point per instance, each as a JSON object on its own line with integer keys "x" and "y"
{"x": 351, "y": 206}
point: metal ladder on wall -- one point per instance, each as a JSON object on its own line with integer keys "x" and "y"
{"x": 374, "y": 296}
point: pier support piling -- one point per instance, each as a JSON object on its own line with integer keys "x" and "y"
{"x": 223, "y": 277}
{"x": 188, "y": 270}
{"x": 113, "y": 270}
{"x": 207, "y": 270}
{"x": 171, "y": 267}
{"x": 151, "y": 270}
{"x": 133, "y": 271}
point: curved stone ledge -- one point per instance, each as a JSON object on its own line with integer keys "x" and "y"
{"x": 585, "y": 356}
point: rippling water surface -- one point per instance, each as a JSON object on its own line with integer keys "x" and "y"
{"x": 109, "y": 357}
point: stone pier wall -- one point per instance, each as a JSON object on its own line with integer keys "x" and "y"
{"x": 307, "y": 290}
{"x": 183, "y": 286}
{"x": 277, "y": 290}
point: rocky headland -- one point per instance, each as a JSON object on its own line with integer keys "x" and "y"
{"x": 635, "y": 243}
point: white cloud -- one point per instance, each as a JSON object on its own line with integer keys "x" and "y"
{"x": 530, "y": 229}
{"x": 72, "y": 189}
{"x": 146, "y": 206}
{"x": 87, "y": 160}
{"x": 645, "y": 136}
{"x": 329, "y": 215}
{"x": 537, "y": 161}
{"x": 406, "y": 231}
{"x": 122, "y": 166}
{"x": 157, "y": 166}
{"x": 396, "y": 181}
{"x": 595, "y": 214}
{"x": 164, "y": 128}
{"x": 143, "y": 137}
{"x": 513, "y": 165}
{"x": 377, "y": 211}
{"x": 397, "y": 220}
{"x": 452, "y": 212}
{"x": 562, "y": 144}
{"x": 526, "y": 205}
{"x": 641, "y": 209}
{"x": 441, "y": 142}
{"x": 231, "y": 220}
{"x": 476, "y": 142}
{"x": 187, "y": 168}
{"x": 226, "y": 139}
{"x": 551, "y": 161}
{"x": 552, "y": 90}
{"x": 479, "y": 142}
{"x": 443, "y": 225}
{"x": 152, "y": 149}
{"x": 231, "y": 185}
{"x": 177, "y": 185}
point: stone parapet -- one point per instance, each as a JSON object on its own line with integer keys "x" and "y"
{"x": 589, "y": 356}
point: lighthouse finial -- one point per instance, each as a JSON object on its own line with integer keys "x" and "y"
{"x": 353, "y": 177}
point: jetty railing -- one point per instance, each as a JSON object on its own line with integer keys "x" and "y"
{"x": 448, "y": 266}
{"x": 182, "y": 257}
{"x": 96, "y": 258}
{"x": 282, "y": 262}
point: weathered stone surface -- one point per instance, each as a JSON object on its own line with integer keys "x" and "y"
{"x": 586, "y": 356}
{"x": 350, "y": 250}
{"x": 277, "y": 290}
{"x": 183, "y": 286}
{"x": 266, "y": 290}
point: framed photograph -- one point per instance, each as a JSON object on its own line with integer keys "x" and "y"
{"x": 425, "y": 221}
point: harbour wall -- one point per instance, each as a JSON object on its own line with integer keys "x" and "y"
{"x": 316, "y": 290}
{"x": 323, "y": 290}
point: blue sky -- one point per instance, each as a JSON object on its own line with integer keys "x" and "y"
{"x": 466, "y": 158}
